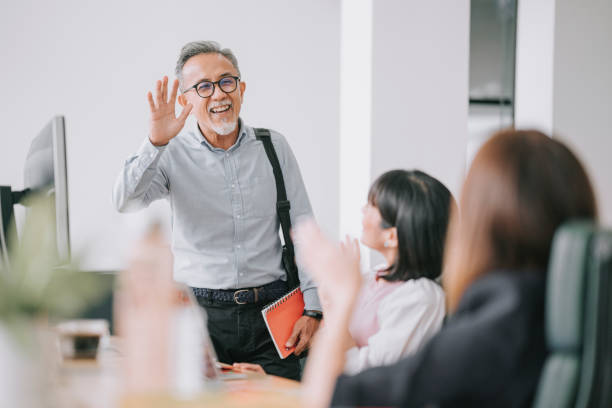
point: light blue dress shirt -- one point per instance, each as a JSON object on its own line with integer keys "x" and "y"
{"x": 225, "y": 230}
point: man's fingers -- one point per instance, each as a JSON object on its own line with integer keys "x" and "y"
{"x": 164, "y": 89}
{"x": 186, "y": 110}
{"x": 172, "y": 99}
{"x": 158, "y": 92}
{"x": 151, "y": 103}
{"x": 301, "y": 346}
{"x": 294, "y": 336}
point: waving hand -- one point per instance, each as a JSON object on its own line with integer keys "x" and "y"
{"x": 164, "y": 123}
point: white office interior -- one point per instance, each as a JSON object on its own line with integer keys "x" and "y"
{"x": 357, "y": 87}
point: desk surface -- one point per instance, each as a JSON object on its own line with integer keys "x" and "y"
{"x": 97, "y": 384}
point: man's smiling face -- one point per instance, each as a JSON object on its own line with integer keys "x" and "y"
{"x": 218, "y": 113}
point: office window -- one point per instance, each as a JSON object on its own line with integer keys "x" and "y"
{"x": 492, "y": 62}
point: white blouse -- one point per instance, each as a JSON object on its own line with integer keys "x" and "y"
{"x": 407, "y": 317}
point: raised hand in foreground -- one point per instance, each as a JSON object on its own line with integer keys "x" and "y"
{"x": 165, "y": 125}
{"x": 335, "y": 269}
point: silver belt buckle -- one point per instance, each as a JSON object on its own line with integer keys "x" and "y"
{"x": 236, "y": 296}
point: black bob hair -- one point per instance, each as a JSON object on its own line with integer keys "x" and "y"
{"x": 418, "y": 205}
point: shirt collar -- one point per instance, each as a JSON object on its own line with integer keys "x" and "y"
{"x": 244, "y": 133}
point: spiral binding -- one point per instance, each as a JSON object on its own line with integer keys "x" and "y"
{"x": 280, "y": 301}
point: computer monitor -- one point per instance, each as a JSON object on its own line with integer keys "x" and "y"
{"x": 45, "y": 174}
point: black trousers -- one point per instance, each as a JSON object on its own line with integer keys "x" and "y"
{"x": 239, "y": 335}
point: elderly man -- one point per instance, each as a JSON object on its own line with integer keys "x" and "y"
{"x": 221, "y": 187}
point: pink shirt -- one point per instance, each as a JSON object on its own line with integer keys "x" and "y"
{"x": 365, "y": 317}
{"x": 392, "y": 320}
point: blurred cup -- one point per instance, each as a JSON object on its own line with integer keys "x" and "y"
{"x": 80, "y": 339}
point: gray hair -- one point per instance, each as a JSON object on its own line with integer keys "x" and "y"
{"x": 202, "y": 47}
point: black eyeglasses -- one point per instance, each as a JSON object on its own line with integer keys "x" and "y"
{"x": 205, "y": 89}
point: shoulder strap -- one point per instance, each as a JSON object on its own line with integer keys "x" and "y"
{"x": 282, "y": 208}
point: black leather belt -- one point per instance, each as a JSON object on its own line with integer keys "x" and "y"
{"x": 262, "y": 294}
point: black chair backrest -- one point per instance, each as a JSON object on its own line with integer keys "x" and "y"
{"x": 578, "y": 370}
{"x": 599, "y": 393}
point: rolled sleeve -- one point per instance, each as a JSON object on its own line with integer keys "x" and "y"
{"x": 311, "y": 299}
{"x": 142, "y": 180}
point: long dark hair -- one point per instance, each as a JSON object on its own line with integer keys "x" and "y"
{"x": 418, "y": 205}
{"x": 521, "y": 187}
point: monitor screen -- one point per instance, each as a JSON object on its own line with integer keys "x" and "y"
{"x": 45, "y": 173}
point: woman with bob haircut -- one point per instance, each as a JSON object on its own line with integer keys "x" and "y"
{"x": 400, "y": 305}
{"x": 521, "y": 187}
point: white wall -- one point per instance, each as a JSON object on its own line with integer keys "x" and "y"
{"x": 582, "y": 98}
{"x": 564, "y": 81}
{"x": 420, "y": 87}
{"x": 95, "y": 61}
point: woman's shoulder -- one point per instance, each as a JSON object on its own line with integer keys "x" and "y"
{"x": 506, "y": 284}
{"x": 424, "y": 291}
{"x": 505, "y": 298}
{"x": 423, "y": 286}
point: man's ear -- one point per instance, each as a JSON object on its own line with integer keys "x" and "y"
{"x": 242, "y": 88}
{"x": 182, "y": 100}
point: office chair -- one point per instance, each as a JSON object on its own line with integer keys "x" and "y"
{"x": 596, "y": 380}
{"x": 578, "y": 370}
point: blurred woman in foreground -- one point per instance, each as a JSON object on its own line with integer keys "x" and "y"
{"x": 521, "y": 187}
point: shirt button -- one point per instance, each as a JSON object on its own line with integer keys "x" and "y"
{"x": 233, "y": 185}
{"x": 237, "y": 246}
{"x": 238, "y": 216}
{"x": 241, "y": 274}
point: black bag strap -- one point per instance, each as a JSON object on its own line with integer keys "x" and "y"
{"x": 282, "y": 208}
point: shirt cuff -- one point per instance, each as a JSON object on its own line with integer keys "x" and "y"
{"x": 149, "y": 146}
{"x": 311, "y": 300}
{"x": 148, "y": 153}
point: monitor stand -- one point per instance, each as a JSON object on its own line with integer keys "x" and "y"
{"x": 8, "y": 230}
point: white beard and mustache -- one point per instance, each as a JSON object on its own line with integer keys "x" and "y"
{"x": 226, "y": 127}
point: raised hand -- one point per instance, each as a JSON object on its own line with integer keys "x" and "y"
{"x": 335, "y": 268}
{"x": 164, "y": 123}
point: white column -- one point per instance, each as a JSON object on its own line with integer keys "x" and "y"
{"x": 535, "y": 32}
{"x": 355, "y": 113}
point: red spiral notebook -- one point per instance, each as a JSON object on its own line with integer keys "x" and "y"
{"x": 280, "y": 317}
